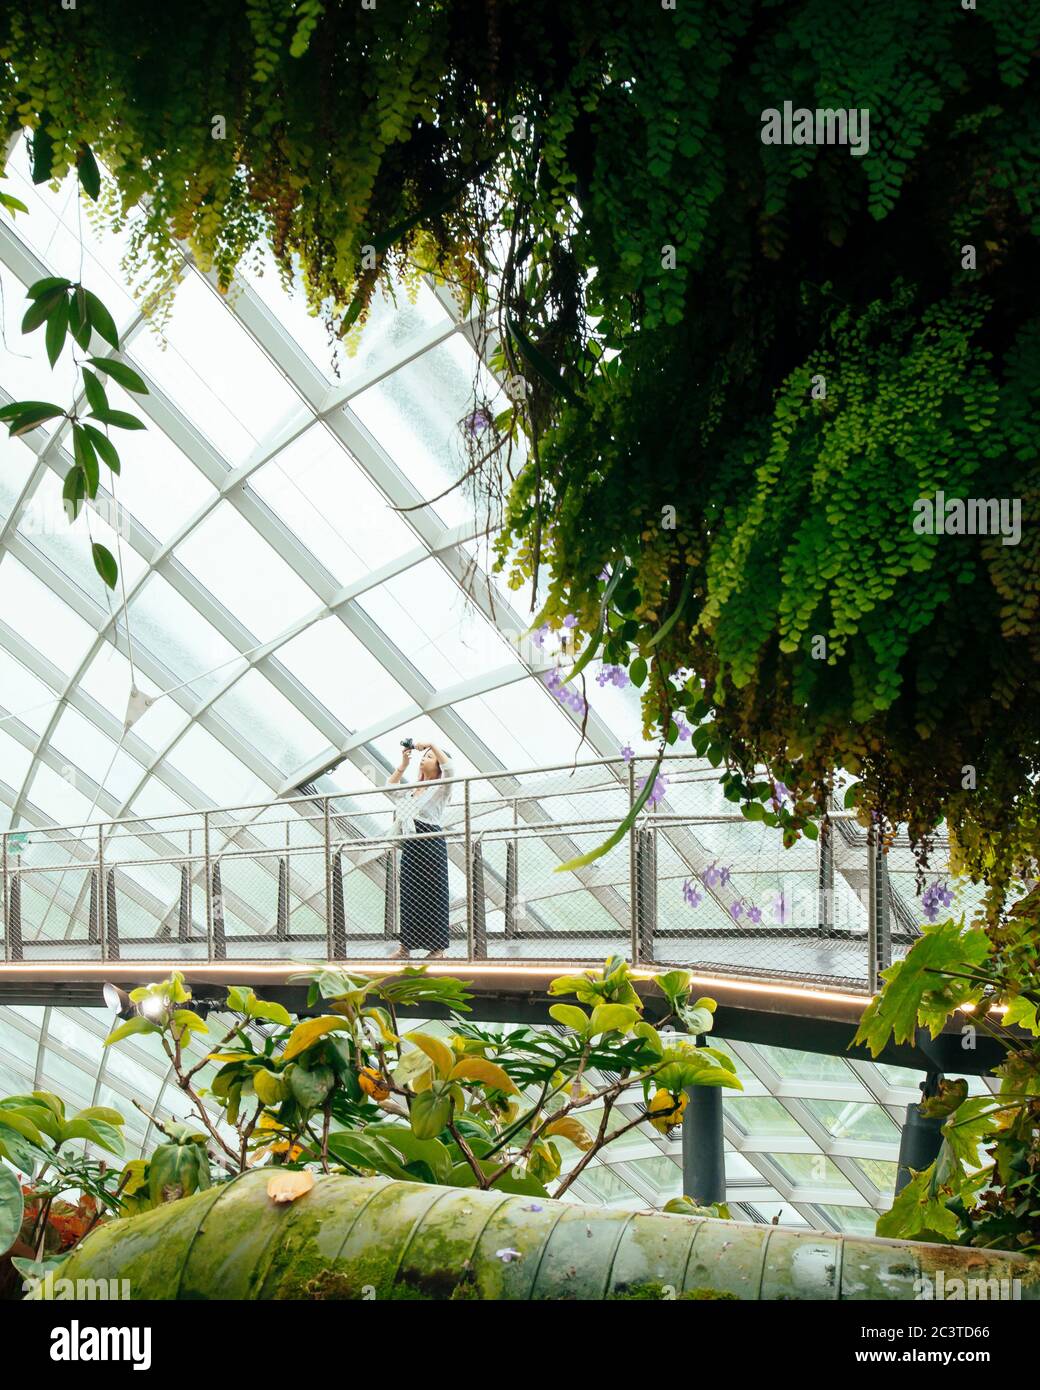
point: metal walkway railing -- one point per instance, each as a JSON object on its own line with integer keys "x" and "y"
{"x": 692, "y": 884}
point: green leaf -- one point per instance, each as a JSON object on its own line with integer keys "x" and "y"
{"x": 89, "y": 173}
{"x": 95, "y": 393}
{"x": 103, "y": 446}
{"x": 916, "y": 1210}
{"x": 897, "y": 1010}
{"x": 119, "y": 371}
{"x": 676, "y": 612}
{"x": 570, "y": 1016}
{"x": 105, "y": 563}
{"x": 121, "y": 419}
{"x": 137, "y": 1024}
{"x": 637, "y": 671}
{"x": 306, "y": 1034}
{"x": 42, "y": 308}
{"x": 32, "y": 419}
{"x": 74, "y": 490}
{"x": 101, "y": 320}
{"x": 11, "y": 203}
{"x": 85, "y": 457}
{"x": 97, "y": 1132}
{"x": 12, "y": 1207}
{"x": 57, "y": 326}
{"x": 79, "y": 322}
{"x": 610, "y": 1018}
{"x": 42, "y": 151}
{"x": 48, "y": 283}
{"x": 547, "y": 370}
{"x": 21, "y": 1124}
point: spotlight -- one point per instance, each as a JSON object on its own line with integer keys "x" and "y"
{"x": 117, "y": 1000}
{"x": 152, "y": 1007}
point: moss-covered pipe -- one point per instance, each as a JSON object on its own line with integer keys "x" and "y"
{"x": 369, "y": 1238}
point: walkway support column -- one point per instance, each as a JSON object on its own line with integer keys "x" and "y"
{"x": 703, "y": 1154}
{"x": 921, "y": 1139}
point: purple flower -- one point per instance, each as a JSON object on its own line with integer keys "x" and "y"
{"x": 754, "y": 914}
{"x": 541, "y": 634}
{"x": 627, "y": 754}
{"x": 936, "y": 896}
{"x": 781, "y": 793}
{"x": 570, "y": 621}
{"x": 507, "y": 1256}
{"x": 657, "y": 791}
{"x": 477, "y": 422}
{"x": 710, "y": 876}
{"x": 736, "y": 911}
{"x": 613, "y": 675}
{"x": 723, "y": 876}
{"x": 780, "y": 909}
{"x": 690, "y": 895}
{"x": 684, "y": 729}
{"x": 604, "y": 573}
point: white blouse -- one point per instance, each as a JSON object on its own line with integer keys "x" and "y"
{"x": 426, "y": 802}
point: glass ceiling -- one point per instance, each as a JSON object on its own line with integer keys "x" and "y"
{"x": 292, "y": 609}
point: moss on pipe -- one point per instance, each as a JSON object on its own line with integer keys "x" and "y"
{"x": 357, "y": 1238}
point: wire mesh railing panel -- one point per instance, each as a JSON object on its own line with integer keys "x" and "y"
{"x": 361, "y": 875}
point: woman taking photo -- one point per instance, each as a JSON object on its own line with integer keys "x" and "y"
{"x": 419, "y": 816}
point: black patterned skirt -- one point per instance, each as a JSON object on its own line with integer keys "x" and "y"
{"x": 424, "y": 891}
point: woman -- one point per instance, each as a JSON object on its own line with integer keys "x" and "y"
{"x": 424, "y": 860}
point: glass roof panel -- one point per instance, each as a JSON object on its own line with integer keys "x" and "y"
{"x": 343, "y": 674}
{"x": 245, "y": 573}
{"x": 263, "y": 716}
{"x": 417, "y": 413}
{"x": 323, "y": 497}
{"x": 213, "y": 370}
{"x": 36, "y": 613}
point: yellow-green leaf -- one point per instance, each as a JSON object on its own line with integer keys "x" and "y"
{"x": 569, "y": 1127}
{"x": 440, "y": 1054}
{"x": 612, "y": 1018}
{"x": 570, "y": 1016}
{"x": 306, "y": 1034}
{"x": 480, "y": 1069}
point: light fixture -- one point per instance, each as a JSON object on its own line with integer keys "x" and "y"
{"x": 117, "y": 1000}
{"x": 152, "y": 1006}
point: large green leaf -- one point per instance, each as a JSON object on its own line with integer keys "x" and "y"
{"x": 105, "y": 563}
{"x": 306, "y": 1034}
{"x": 106, "y": 1136}
{"x": 12, "y": 1206}
{"x": 119, "y": 371}
{"x": 137, "y": 1024}
{"x": 101, "y": 320}
{"x": 89, "y": 173}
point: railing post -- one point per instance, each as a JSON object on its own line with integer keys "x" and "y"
{"x": 469, "y": 874}
{"x": 102, "y": 894}
{"x": 632, "y": 888}
{"x": 879, "y": 942}
{"x": 3, "y": 923}
{"x": 512, "y": 880}
{"x": 329, "y": 934}
{"x": 825, "y": 882}
{"x": 207, "y": 871}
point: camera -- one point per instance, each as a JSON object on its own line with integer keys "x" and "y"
{"x": 407, "y": 743}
